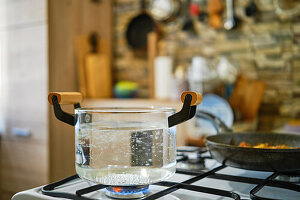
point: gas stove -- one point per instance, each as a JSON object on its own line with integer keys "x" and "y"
{"x": 198, "y": 176}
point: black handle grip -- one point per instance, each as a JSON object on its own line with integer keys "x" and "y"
{"x": 62, "y": 115}
{"x": 187, "y": 112}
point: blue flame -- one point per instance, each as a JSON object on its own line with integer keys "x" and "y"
{"x": 129, "y": 190}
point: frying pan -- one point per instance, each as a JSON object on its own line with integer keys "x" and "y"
{"x": 138, "y": 29}
{"x": 223, "y": 147}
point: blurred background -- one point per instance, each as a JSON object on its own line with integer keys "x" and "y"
{"x": 243, "y": 55}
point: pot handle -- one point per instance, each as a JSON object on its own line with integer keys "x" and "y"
{"x": 196, "y": 97}
{"x": 65, "y": 97}
{"x": 57, "y": 98}
{"x": 190, "y": 101}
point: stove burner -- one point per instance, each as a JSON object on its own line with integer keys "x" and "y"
{"x": 192, "y": 164}
{"x": 189, "y": 158}
{"x": 127, "y": 192}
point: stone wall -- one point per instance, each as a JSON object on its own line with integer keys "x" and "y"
{"x": 264, "y": 47}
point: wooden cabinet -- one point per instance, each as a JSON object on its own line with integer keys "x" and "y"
{"x": 24, "y": 84}
{"x": 24, "y": 164}
{"x": 37, "y": 55}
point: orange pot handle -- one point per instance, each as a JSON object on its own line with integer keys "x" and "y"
{"x": 196, "y": 97}
{"x": 66, "y": 97}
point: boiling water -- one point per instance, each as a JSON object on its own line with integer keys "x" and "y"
{"x": 129, "y": 155}
{"x": 126, "y": 177}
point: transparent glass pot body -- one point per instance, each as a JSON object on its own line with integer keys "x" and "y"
{"x": 124, "y": 146}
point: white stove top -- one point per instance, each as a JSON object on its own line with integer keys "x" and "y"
{"x": 242, "y": 189}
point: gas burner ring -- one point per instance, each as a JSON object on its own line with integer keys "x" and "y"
{"x": 127, "y": 192}
{"x": 191, "y": 149}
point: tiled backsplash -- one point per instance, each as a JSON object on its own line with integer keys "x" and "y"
{"x": 265, "y": 47}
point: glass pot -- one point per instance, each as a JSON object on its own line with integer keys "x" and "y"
{"x": 124, "y": 146}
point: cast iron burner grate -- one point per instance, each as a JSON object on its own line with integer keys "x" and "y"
{"x": 50, "y": 189}
{"x": 142, "y": 192}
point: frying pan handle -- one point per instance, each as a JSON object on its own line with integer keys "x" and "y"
{"x": 218, "y": 124}
{"x": 143, "y": 5}
{"x": 190, "y": 101}
{"x": 57, "y": 98}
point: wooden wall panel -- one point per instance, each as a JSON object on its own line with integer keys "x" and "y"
{"x": 68, "y": 19}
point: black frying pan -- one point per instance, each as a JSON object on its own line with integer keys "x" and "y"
{"x": 224, "y": 148}
{"x": 138, "y": 29}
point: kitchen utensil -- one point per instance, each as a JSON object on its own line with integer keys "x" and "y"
{"x": 214, "y": 6}
{"x": 194, "y": 9}
{"x": 214, "y": 9}
{"x": 188, "y": 24}
{"x": 85, "y": 56}
{"x": 164, "y": 10}
{"x": 230, "y": 21}
{"x": 138, "y": 29}
{"x": 223, "y": 147}
{"x": 98, "y": 72}
{"x": 251, "y": 9}
{"x": 282, "y": 160}
{"x": 124, "y": 146}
